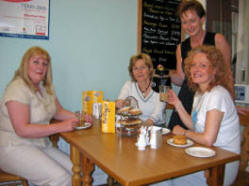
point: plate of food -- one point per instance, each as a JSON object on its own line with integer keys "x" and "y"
{"x": 201, "y": 152}
{"x": 129, "y": 111}
{"x": 130, "y": 121}
{"x": 180, "y": 141}
{"x": 134, "y": 112}
{"x": 124, "y": 110}
{"x": 85, "y": 125}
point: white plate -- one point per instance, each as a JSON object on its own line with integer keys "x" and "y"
{"x": 201, "y": 152}
{"x": 165, "y": 131}
{"x": 189, "y": 143}
{"x": 85, "y": 126}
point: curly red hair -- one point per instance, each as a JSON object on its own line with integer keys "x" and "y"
{"x": 217, "y": 62}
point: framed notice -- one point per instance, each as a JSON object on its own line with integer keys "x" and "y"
{"x": 24, "y": 18}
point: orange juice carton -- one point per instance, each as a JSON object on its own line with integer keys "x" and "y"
{"x": 89, "y": 98}
{"x": 108, "y": 117}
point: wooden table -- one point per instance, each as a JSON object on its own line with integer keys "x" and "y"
{"x": 119, "y": 157}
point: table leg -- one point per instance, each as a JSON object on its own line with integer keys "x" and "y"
{"x": 75, "y": 158}
{"x": 215, "y": 175}
{"x": 87, "y": 168}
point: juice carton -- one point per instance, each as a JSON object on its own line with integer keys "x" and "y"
{"x": 89, "y": 98}
{"x": 108, "y": 117}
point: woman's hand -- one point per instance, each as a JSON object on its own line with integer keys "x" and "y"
{"x": 68, "y": 125}
{"x": 148, "y": 122}
{"x": 119, "y": 103}
{"x": 178, "y": 130}
{"x": 173, "y": 99}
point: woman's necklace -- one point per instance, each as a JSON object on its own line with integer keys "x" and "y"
{"x": 144, "y": 91}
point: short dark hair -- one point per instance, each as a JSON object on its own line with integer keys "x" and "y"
{"x": 191, "y": 5}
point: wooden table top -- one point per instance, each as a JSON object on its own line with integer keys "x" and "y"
{"x": 119, "y": 157}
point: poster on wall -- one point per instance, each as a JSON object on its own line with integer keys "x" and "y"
{"x": 24, "y": 18}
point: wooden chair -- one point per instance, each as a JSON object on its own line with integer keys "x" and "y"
{"x": 243, "y": 175}
{"x": 7, "y": 177}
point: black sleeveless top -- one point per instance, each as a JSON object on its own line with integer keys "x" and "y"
{"x": 185, "y": 94}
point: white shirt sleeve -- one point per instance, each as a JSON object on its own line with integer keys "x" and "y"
{"x": 158, "y": 112}
{"x": 126, "y": 90}
{"x": 219, "y": 99}
{"x": 17, "y": 91}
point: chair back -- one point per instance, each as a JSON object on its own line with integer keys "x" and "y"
{"x": 244, "y": 121}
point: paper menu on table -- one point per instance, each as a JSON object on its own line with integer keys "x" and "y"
{"x": 89, "y": 98}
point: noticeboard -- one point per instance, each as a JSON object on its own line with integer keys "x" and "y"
{"x": 24, "y": 18}
{"x": 159, "y": 30}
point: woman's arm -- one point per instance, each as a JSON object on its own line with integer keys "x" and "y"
{"x": 183, "y": 114}
{"x": 63, "y": 114}
{"x": 177, "y": 76}
{"x": 212, "y": 125}
{"x": 124, "y": 93}
{"x": 222, "y": 44}
{"x": 19, "y": 114}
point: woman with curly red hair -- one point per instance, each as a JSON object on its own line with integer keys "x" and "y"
{"x": 214, "y": 120}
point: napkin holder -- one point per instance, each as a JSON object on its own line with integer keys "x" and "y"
{"x": 156, "y": 139}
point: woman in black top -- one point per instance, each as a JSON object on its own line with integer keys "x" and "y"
{"x": 192, "y": 15}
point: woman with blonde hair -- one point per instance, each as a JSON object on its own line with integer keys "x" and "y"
{"x": 27, "y": 106}
{"x": 141, "y": 72}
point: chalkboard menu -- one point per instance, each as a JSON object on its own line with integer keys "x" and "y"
{"x": 160, "y": 31}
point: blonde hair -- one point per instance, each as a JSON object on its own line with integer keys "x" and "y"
{"x": 147, "y": 60}
{"x": 218, "y": 64}
{"x": 22, "y": 71}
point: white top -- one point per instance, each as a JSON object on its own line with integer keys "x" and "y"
{"x": 42, "y": 109}
{"x": 218, "y": 98}
{"x": 151, "y": 106}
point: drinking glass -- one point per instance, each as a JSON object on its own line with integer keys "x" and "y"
{"x": 163, "y": 93}
{"x": 80, "y": 115}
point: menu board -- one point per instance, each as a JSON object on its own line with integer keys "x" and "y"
{"x": 160, "y": 31}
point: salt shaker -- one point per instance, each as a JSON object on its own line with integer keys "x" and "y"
{"x": 141, "y": 142}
